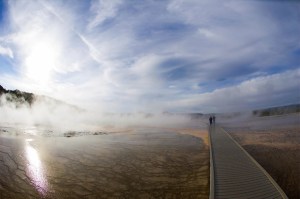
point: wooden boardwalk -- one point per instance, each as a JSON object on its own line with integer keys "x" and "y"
{"x": 234, "y": 173}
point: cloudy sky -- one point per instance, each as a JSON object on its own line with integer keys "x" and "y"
{"x": 153, "y": 55}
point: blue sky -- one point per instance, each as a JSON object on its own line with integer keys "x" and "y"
{"x": 171, "y": 55}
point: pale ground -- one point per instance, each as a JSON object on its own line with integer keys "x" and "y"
{"x": 135, "y": 163}
{"x": 275, "y": 143}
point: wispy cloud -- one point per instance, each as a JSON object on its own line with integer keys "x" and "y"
{"x": 6, "y": 52}
{"x": 270, "y": 90}
{"x": 102, "y": 10}
{"x": 155, "y": 55}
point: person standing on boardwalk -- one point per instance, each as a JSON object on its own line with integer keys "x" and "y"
{"x": 210, "y": 120}
{"x": 214, "y": 119}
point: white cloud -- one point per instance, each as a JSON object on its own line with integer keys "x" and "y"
{"x": 149, "y": 55}
{"x": 103, "y": 10}
{"x": 270, "y": 90}
{"x": 6, "y": 52}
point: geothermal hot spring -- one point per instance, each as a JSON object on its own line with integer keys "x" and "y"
{"x": 169, "y": 158}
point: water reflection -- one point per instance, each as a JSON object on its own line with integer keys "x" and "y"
{"x": 35, "y": 169}
{"x": 31, "y": 131}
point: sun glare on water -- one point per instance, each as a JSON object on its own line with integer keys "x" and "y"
{"x": 35, "y": 169}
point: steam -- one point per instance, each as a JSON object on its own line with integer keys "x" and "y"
{"x": 60, "y": 117}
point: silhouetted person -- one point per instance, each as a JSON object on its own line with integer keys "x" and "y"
{"x": 210, "y": 120}
{"x": 214, "y": 119}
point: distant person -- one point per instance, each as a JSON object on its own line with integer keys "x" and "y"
{"x": 214, "y": 119}
{"x": 210, "y": 120}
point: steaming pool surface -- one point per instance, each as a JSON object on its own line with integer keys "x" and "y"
{"x": 144, "y": 163}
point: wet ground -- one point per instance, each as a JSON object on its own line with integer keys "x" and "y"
{"x": 145, "y": 163}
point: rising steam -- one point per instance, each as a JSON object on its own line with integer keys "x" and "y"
{"x": 60, "y": 117}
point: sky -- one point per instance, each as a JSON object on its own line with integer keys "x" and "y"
{"x": 153, "y": 55}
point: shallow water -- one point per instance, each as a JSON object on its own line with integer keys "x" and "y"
{"x": 146, "y": 163}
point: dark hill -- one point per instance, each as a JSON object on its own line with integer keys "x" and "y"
{"x": 18, "y": 97}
